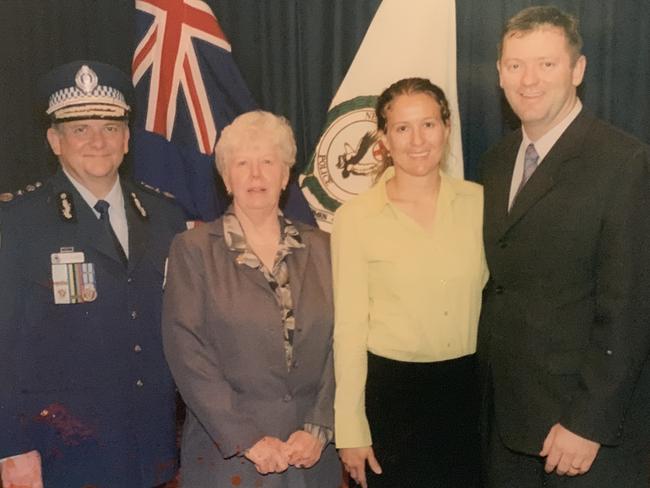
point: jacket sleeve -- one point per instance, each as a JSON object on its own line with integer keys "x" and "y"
{"x": 619, "y": 343}
{"x": 322, "y": 413}
{"x": 194, "y": 364}
{"x": 12, "y": 439}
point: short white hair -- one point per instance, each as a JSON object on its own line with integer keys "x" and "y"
{"x": 275, "y": 126}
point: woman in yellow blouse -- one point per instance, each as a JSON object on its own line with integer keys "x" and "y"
{"x": 409, "y": 268}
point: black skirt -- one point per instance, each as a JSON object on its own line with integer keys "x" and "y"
{"x": 424, "y": 422}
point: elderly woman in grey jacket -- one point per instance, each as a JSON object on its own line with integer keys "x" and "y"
{"x": 247, "y": 327}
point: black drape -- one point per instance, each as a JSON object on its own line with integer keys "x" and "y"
{"x": 616, "y": 87}
{"x": 293, "y": 55}
{"x": 35, "y": 36}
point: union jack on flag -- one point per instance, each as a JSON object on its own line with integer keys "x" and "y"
{"x": 188, "y": 88}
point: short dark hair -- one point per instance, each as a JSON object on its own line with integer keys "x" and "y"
{"x": 407, "y": 86}
{"x": 532, "y": 18}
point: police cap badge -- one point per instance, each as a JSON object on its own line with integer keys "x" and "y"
{"x": 86, "y": 90}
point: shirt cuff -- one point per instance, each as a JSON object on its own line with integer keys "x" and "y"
{"x": 11, "y": 457}
{"x": 323, "y": 434}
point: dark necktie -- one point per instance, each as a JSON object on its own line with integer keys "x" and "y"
{"x": 102, "y": 207}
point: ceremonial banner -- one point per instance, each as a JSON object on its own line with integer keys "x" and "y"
{"x": 405, "y": 39}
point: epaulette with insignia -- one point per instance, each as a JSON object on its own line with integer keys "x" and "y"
{"x": 154, "y": 190}
{"x": 9, "y": 197}
{"x": 139, "y": 205}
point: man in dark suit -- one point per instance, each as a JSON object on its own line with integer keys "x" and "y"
{"x": 565, "y": 327}
{"x": 86, "y": 398}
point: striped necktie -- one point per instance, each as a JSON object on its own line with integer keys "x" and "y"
{"x": 531, "y": 159}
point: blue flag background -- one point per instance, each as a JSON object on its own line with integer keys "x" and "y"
{"x": 177, "y": 165}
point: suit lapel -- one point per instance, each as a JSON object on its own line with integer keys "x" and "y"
{"x": 568, "y": 147}
{"x": 501, "y": 184}
{"x": 253, "y": 275}
{"x": 539, "y": 184}
{"x": 88, "y": 230}
{"x": 137, "y": 224}
{"x": 297, "y": 264}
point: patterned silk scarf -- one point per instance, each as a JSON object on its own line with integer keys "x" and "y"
{"x": 278, "y": 277}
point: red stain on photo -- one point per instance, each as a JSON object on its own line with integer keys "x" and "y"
{"x": 162, "y": 470}
{"x": 71, "y": 429}
{"x": 235, "y": 480}
{"x": 175, "y": 483}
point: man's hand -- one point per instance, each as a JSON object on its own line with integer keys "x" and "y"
{"x": 304, "y": 449}
{"x": 270, "y": 455}
{"x": 354, "y": 459}
{"x": 568, "y": 453}
{"x": 22, "y": 471}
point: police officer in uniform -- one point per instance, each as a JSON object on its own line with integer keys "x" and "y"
{"x": 86, "y": 398}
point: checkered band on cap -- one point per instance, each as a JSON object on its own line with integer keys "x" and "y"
{"x": 74, "y": 96}
{"x": 88, "y": 99}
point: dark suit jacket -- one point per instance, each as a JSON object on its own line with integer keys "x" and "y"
{"x": 223, "y": 338}
{"x": 565, "y": 326}
{"x": 73, "y": 384}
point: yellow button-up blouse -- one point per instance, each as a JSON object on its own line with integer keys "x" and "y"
{"x": 400, "y": 291}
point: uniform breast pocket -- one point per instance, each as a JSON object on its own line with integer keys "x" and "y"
{"x": 57, "y": 338}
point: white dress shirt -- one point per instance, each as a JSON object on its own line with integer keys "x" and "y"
{"x": 116, "y": 211}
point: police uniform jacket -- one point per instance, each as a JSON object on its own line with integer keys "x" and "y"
{"x": 86, "y": 384}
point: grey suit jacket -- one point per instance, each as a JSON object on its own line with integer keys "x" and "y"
{"x": 223, "y": 339}
{"x": 565, "y": 324}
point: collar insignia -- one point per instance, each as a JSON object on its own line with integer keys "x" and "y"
{"x": 138, "y": 206}
{"x": 66, "y": 207}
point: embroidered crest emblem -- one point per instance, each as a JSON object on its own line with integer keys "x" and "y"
{"x": 86, "y": 79}
{"x": 346, "y": 159}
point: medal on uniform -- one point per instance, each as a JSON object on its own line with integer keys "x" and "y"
{"x": 73, "y": 280}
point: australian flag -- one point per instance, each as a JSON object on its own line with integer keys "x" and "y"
{"x": 188, "y": 89}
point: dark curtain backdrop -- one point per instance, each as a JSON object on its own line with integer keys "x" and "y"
{"x": 293, "y": 55}
{"x": 36, "y": 36}
{"x": 616, "y": 87}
